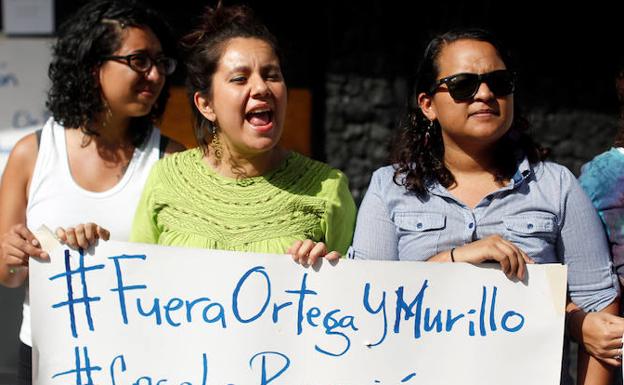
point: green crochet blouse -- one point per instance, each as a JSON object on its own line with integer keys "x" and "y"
{"x": 186, "y": 203}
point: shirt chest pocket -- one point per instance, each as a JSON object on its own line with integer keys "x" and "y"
{"x": 530, "y": 225}
{"x": 418, "y": 234}
{"x": 534, "y": 233}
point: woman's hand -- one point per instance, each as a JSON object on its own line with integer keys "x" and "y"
{"x": 600, "y": 333}
{"x": 308, "y": 252}
{"x": 18, "y": 244}
{"x": 84, "y": 235}
{"x": 495, "y": 248}
{"x": 602, "y": 337}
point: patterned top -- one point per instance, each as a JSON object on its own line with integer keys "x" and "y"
{"x": 186, "y": 203}
{"x": 603, "y": 180}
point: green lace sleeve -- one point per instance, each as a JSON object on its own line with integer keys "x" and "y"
{"x": 339, "y": 221}
{"x": 145, "y": 227}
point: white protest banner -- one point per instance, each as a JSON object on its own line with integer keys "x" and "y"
{"x": 141, "y": 314}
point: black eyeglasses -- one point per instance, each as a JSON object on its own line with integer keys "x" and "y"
{"x": 143, "y": 63}
{"x": 464, "y": 86}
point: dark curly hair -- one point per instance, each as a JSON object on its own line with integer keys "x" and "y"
{"x": 95, "y": 30}
{"x": 204, "y": 46}
{"x": 419, "y": 158}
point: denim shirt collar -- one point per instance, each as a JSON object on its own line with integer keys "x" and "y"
{"x": 523, "y": 172}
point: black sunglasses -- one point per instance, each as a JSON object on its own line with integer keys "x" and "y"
{"x": 143, "y": 63}
{"x": 465, "y": 85}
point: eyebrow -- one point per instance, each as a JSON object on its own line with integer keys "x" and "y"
{"x": 268, "y": 67}
{"x": 274, "y": 67}
{"x": 146, "y": 51}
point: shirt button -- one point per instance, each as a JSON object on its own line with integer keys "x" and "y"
{"x": 470, "y": 225}
{"x": 419, "y": 225}
{"x": 530, "y": 226}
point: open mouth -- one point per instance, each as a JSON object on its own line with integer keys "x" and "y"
{"x": 260, "y": 119}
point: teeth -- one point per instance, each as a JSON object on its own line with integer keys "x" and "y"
{"x": 260, "y": 111}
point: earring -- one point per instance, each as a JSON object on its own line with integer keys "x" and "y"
{"x": 108, "y": 114}
{"x": 215, "y": 143}
{"x": 428, "y": 133}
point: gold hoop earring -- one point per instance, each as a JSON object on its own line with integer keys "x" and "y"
{"x": 215, "y": 143}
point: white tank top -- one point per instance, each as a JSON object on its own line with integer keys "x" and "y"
{"x": 56, "y": 200}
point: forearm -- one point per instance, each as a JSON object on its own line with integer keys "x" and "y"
{"x": 590, "y": 369}
{"x": 13, "y": 202}
{"x": 444, "y": 256}
{"x": 576, "y": 316}
{"x": 574, "y": 321}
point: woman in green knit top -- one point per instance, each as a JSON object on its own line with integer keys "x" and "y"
{"x": 239, "y": 190}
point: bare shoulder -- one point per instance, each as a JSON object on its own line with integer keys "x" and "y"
{"x": 19, "y": 170}
{"x": 174, "y": 146}
{"x": 25, "y": 151}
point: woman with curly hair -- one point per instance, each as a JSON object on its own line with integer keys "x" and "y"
{"x": 239, "y": 190}
{"x": 84, "y": 171}
{"x": 469, "y": 185}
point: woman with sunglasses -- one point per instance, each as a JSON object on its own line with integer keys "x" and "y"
{"x": 469, "y": 185}
{"x": 84, "y": 171}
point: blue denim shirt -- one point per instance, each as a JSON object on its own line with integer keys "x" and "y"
{"x": 542, "y": 210}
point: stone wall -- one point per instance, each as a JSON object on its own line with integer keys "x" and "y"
{"x": 574, "y": 137}
{"x": 360, "y": 117}
{"x": 362, "y": 114}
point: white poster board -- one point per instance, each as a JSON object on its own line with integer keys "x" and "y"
{"x": 139, "y": 314}
{"x": 23, "y": 87}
